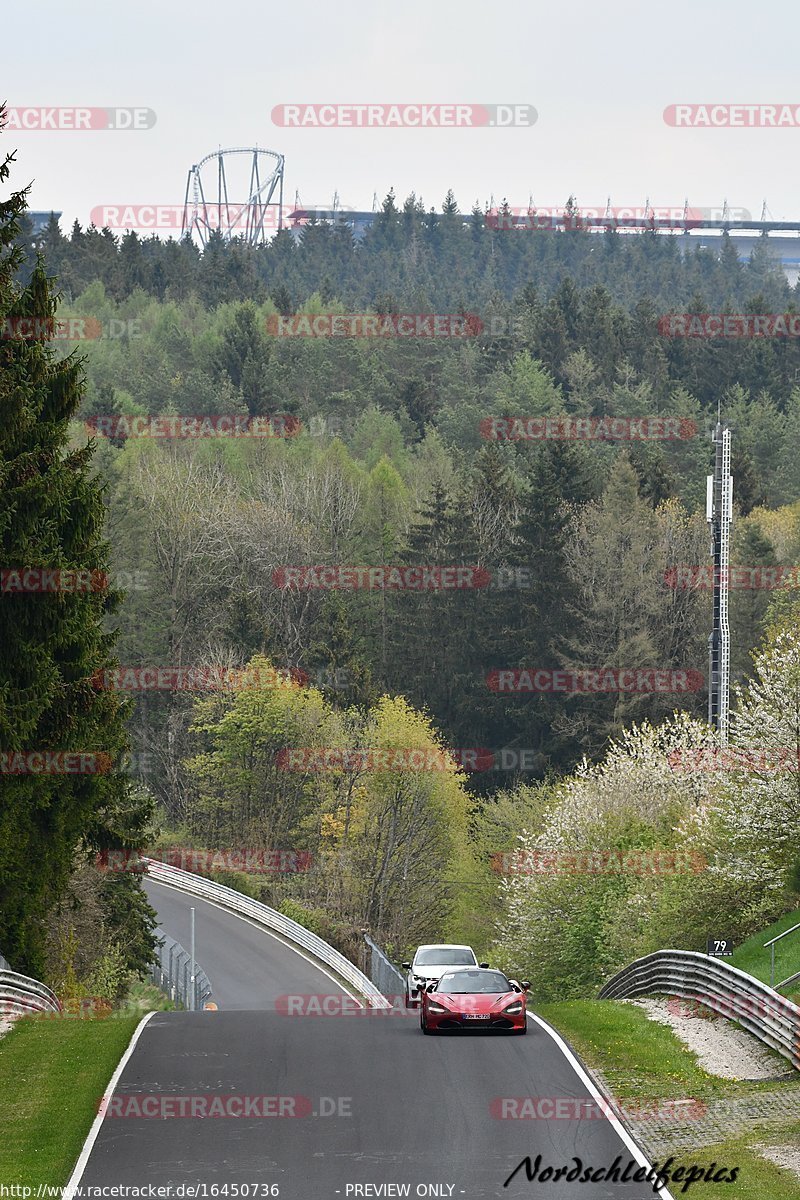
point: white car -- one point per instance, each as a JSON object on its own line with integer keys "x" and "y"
{"x": 430, "y": 962}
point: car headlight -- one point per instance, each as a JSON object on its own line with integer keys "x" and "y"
{"x": 437, "y": 1008}
{"x": 514, "y": 1008}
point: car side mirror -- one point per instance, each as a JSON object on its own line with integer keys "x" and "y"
{"x": 483, "y": 964}
{"x": 406, "y": 966}
{"x": 431, "y": 986}
{"x": 526, "y": 985}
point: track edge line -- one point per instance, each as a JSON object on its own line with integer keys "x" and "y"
{"x": 599, "y": 1093}
{"x": 91, "y": 1137}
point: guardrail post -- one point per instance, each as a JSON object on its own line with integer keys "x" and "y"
{"x": 192, "y": 998}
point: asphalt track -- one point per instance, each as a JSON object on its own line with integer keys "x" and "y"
{"x": 367, "y": 1100}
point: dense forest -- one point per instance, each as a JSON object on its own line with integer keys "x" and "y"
{"x": 577, "y": 544}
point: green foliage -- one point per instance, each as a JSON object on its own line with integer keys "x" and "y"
{"x": 343, "y": 937}
{"x": 732, "y": 825}
{"x": 52, "y": 514}
{"x": 391, "y": 467}
{"x": 389, "y": 845}
{"x": 239, "y": 881}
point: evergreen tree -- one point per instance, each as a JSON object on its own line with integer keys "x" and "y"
{"x": 535, "y": 618}
{"x": 615, "y": 559}
{"x": 51, "y": 645}
{"x": 748, "y": 606}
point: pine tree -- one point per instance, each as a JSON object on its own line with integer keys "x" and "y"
{"x": 749, "y": 491}
{"x": 748, "y": 606}
{"x": 615, "y": 560}
{"x": 51, "y": 645}
{"x": 423, "y": 664}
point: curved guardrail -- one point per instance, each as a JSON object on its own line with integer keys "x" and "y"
{"x": 262, "y": 914}
{"x": 726, "y": 990}
{"x": 19, "y": 994}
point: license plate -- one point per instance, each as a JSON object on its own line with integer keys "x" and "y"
{"x": 476, "y": 1016}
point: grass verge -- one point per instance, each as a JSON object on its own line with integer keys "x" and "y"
{"x": 757, "y": 1179}
{"x": 638, "y": 1057}
{"x": 753, "y": 958}
{"x": 52, "y": 1075}
{"x": 642, "y": 1060}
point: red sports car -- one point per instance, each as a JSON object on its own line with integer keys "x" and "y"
{"x": 473, "y": 998}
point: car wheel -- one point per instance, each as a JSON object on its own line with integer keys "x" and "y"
{"x": 522, "y": 1031}
{"x": 422, "y": 1022}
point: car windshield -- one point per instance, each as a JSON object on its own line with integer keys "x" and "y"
{"x": 443, "y": 957}
{"x": 459, "y": 982}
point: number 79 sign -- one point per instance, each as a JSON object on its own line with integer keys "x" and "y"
{"x": 719, "y": 947}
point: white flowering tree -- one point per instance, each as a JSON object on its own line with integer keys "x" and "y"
{"x": 573, "y": 913}
{"x": 567, "y": 883}
{"x": 760, "y": 808}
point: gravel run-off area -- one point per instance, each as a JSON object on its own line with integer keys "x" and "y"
{"x": 724, "y": 1050}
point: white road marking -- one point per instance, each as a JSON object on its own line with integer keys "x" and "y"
{"x": 627, "y": 1140}
{"x": 83, "y": 1157}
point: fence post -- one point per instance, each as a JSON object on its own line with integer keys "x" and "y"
{"x": 193, "y": 997}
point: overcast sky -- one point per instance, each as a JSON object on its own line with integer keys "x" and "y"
{"x": 599, "y": 76}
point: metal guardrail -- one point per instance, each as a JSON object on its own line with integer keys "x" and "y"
{"x": 726, "y": 990}
{"x": 172, "y": 972}
{"x": 19, "y": 994}
{"x": 262, "y": 914}
{"x": 383, "y": 973}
